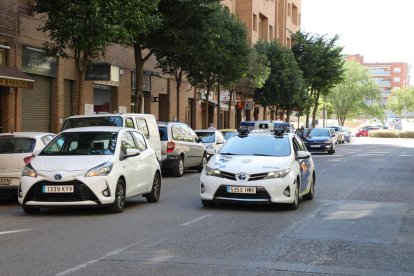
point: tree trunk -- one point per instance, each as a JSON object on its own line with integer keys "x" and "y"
{"x": 178, "y": 81}
{"x": 206, "y": 122}
{"x": 315, "y": 109}
{"x": 218, "y": 106}
{"x": 139, "y": 76}
{"x": 231, "y": 93}
{"x": 80, "y": 93}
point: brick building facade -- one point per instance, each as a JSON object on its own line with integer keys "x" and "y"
{"x": 38, "y": 92}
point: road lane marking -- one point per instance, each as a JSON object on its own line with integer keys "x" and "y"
{"x": 14, "y": 231}
{"x": 196, "y": 219}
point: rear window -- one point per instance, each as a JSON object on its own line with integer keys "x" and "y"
{"x": 16, "y": 145}
{"x": 93, "y": 121}
{"x": 163, "y": 133}
{"x": 206, "y": 137}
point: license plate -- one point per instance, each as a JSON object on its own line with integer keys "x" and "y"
{"x": 58, "y": 189}
{"x": 5, "y": 181}
{"x": 241, "y": 190}
{"x": 315, "y": 146}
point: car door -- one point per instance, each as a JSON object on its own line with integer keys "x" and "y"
{"x": 132, "y": 166}
{"x": 305, "y": 165}
{"x": 148, "y": 160}
{"x": 196, "y": 148}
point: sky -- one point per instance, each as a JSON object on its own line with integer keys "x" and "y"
{"x": 379, "y": 30}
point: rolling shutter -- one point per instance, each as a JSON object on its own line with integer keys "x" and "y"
{"x": 67, "y": 99}
{"x": 36, "y": 105}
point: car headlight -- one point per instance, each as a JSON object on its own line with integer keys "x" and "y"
{"x": 327, "y": 142}
{"x": 101, "y": 170}
{"x": 277, "y": 174}
{"x": 212, "y": 172}
{"x": 28, "y": 170}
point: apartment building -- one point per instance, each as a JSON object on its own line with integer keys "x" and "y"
{"x": 388, "y": 75}
{"x": 38, "y": 92}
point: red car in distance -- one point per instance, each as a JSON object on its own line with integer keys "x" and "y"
{"x": 363, "y": 131}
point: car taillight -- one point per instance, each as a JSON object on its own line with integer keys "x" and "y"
{"x": 28, "y": 159}
{"x": 170, "y": 146}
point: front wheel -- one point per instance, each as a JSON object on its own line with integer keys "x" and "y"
{"x": 31, "y": 210}
{"x": 295, "y": 204}
{"x": 154, "y": 195}
{"x": 202, "y": 164}
{"x": 311, "y": 194}
{"x": 119, "y": 203}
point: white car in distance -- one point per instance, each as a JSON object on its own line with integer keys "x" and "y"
{"x": 91, "y": 166}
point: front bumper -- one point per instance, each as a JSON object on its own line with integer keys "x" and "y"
{"x": 267, "y": 190}
{"x": 318, "y": 146}
{"x": 86, "y": 191}
{"x": 170, "y": 161}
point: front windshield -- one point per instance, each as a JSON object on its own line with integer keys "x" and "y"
{"x": 82, "y": 143}
{"x": 93, "y": 121}
{"x": 260, "y": 145}
{"x": 229, "y": 134}
{"x": 318, "y": 132}
{"x": 206, "y": 137}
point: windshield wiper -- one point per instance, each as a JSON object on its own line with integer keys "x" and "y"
{"x": 228, "y": 153}
{"x": 258, "y": 154}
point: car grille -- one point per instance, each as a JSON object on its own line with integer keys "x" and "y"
{"x": 253, "y": 177}
{"x": 81, "y": 192}
{"x": 261, "y": 194}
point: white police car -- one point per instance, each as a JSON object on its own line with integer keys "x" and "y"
{"x": 265, "y": 167}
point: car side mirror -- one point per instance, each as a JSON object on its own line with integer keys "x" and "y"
{"x": 211, "y": 150}
{"x": 303, "y": 155}
{"x": 132, "y": 152}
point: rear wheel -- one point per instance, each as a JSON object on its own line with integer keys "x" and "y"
{"x": 119, "y": 203}
{"x": 31, "y": 210}
{"x": 154, "y": 195}
{"x": 178, "y": 170}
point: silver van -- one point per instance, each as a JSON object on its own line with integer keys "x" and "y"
{"x": 181, "y": 148}
{"x": 145, "y": 123}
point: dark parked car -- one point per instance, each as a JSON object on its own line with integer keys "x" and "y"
{"x": 320, "y": 139}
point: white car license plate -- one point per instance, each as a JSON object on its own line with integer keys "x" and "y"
{"x": 58, "y": 189}
{"x": 241, "y": 190}
{"x": 5, "y": 181}
{"x": 315, "y": 146}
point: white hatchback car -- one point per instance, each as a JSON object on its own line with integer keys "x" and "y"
{"x": 259, "y": 168}
{"x": 91, "y": 166}
{"x": 15, "y": 151}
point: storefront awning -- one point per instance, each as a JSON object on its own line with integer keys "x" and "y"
{"x": 13, "y": 77}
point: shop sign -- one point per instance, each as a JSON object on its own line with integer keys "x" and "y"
{"x": 100, "y": 71}
{"x": 35, "y": 61}
{"x": 16, "y": 83}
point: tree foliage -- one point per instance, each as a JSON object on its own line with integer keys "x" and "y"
{"x": 401, "y": 100}
{"x": 222, "y": 53}
{"x": 284, "y": 87}
{"x": 357, "y": 95}
{"x": 181, "y": 23}
{"x": 322, "y": 64}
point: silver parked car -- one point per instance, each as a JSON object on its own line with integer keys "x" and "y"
{"x": 180, "y": 148}
{"x": 211, "y": 138}
{"x": 339, "y": 133}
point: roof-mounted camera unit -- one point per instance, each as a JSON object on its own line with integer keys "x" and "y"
{"x": 243, "y": 131}
{"x": 278, "y": 132}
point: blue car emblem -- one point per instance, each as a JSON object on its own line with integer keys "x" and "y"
{"x": 58, "y": 176}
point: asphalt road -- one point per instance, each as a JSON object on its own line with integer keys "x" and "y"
{"x": 361, "y": 222}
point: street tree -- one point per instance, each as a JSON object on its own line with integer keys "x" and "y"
{"x": 137, "y": 20}
{"x": 356, "y": 95}
{"x": 401, "y": 100}
{"x": 321, "y": 61}
{"x": 284, "y": 87}
{"x": 81, "y": 29}
{"x": 223, "y": 53}
{"x": 181, "y": 24}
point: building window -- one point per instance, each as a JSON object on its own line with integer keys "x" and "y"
{"x": 271, "y": 31}
{"x": 397, "y": 70}
{"x": 2, "y": 57}
{"x": 397, "y": 79}
{"x": 254, "y": 22}
{"x": 289, "y": 9}
{"x": 295, "y": 12}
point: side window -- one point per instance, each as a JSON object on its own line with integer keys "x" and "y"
{"x": 178, "y": 133}
{"x": 142, "y": 126}
{"x": 193, "y": 136}
{"x": 295, "y": 146}
{"x": 140, "y": 141}
{"x": 129, "y": 122}
{"x": 47, "y": 138}
{"x": 301, "y": 146}
{"x": 127, "y": 142}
